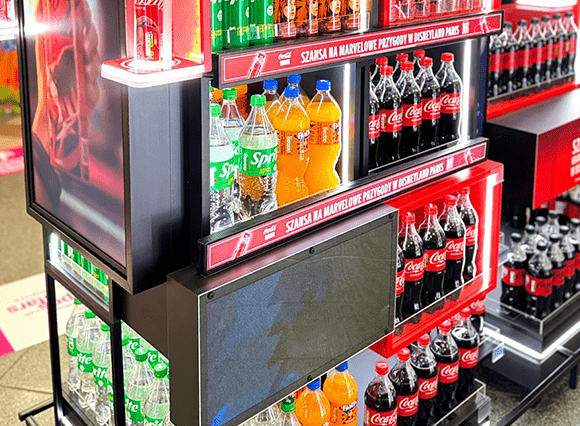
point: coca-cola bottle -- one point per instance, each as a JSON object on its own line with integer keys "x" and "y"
{"x": 406, "y": 385}
{"x": 425, "y": 365}
{"x": 575, "y": 240}
{"x": 401, "y": 57}
{"x": 431, "y": 98}
{"x": 513, "y": 274}
{"x": 376, "y": 75}
{"x": 569, "y": 251}
{"x": 467, "y": 341}
{"x": 451, "y": 88}
{"x": 434, "y": 243}
{"x": 412, "y": 115}
{"x": 524, "y": 42}
{"x": 447, "y": 355}
{"x": 478, "y": 314}
{"x": 552, "y": 226}
{"x": 558, "y": 270}
{"x": 417, "y": 56}
{"x": 470, "y": 219}
{"x": 540, "y": 223}
{"x": 560, "y": 51}
{"x": 391, "y": 118}
{"x": 510, "y": 63}
{"x": 537, "y": 52}
{"x": 539, "y": 282}
{"x": 529, "y": 242}
{"x": 399, "y": 287}
{"x": 454, "y": 229}
{"x": 412, "y": 247}
{"x": 380, "y": 399}
{"x": 571, "y": 44}
{"x": 496, "y": 65}
{"x": 374, "y": 127}
{"x": 549, "y": 49}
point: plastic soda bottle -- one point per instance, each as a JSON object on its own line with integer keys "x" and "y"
{"x": 101, "y": 365}
{"x": 272, "y": 97}
{"x": 269, "y": 417}
{"x": 128, "y": 364}
{"x": 342, "y": 393}
{"x": 312, "y": 407}
{"x": 221, "y": 169}
{"x": 294, "y": 80}
{"x": 325, "y": 117}
{"x": 86, "y": 343}
{"x": 232, "y": 123}
{"x": 242, "y": 100}
{"x": 217, "y": 40}
{"x": 293, "y": 126}
{"x": 258, "y": 161}
{"x": 261, "y": 21}
{"x": 236, "y": 23}
{"x": 73, "y": 326}
{"x": 288, "y": 417}
{"x": 138, "y": 385}
{"x": 134, "y": 338}
{"x": 156, "y": 406}
{"x": 152, "y": 354}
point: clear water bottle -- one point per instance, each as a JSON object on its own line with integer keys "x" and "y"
{"x": 288, "y": 416}
{"x": 167, "y": 420}
{"x": 101, "y": 365}
{"x": 86, "y": 343}
{"x": 156, "y": 406}
{"x": 73, "y": 325}
{"x": 138, "y": 386}
{"x": 258, "y": 161}
{"x": 134, "y": 338}
{"x": 222, "y": 173}
{"x": 128, "y": 363}
{"x": 269, "y": 417}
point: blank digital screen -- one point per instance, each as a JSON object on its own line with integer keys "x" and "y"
{"x": 267, "y": 335}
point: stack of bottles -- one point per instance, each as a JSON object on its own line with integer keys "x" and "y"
{"x": 533, "y": 56}
{"x": 436, "y": 260}
{"x": 404, "y": 10}
{"x": 89, "y": 378}
{"x": 412, "y": 109}
{"x": 285, "y": 150}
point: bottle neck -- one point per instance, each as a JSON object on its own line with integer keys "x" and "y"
{"x": 408, "y": 74}
{"x": 432, "y": 221}
{"x": 428, "y": 71}
{"x": 386, "y": 79}
{"x": 410, "y": 229}
{"x": 450, "y": 212}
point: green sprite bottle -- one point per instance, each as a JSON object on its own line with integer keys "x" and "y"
{"x": 217, "y": 40}
{"x": 237, "y": 23}
{"x": 156, "y": 405}
{"x": 138, "y": 386}
{"x": 261, "y": 22}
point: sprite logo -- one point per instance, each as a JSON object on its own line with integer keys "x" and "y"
{"x": 85, "y": 362}
{"x": 261, "y": 162}
{"x": 134, "y": 344}
{"x": 100, "y": 376}
{"x": 134, "y": 410}
{"x": 152, "y": 422}
{"x": 71, "y": 346}
{"x": 153, "y": 358}
{"x": 221, "y": 175}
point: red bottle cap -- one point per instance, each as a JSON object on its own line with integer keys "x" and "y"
{"x": 419, "y": 53}
{"x": 465, "y": 313}
{"x": 445, "y": 327}
{"x": 447, "y": 57}
{"x": 401, "y": 57}
{"x": 430, "y": 209}
{"x": 409, "y": 218}
{"x": 424, "y": 340}
{"x": 383, "y": 60}
{"x": 407, "y": 66}
{"x": 464, "y": 190}
{"x": 382, "y": 367}
{"x": 386, "y": 70}
{"x": 450, "y": 200}
{"x": 404, "y": 355}
{"x": 426, "y": 61}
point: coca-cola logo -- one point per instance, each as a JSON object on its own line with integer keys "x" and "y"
{"x": 469, "y": 357}
{"x": 576, "y": 146}
{"x": 428, "y": 387}
{"x": 400, "y": 283}
{"x": 451, "y": 100}
{"x": 454, "y": 248}
{"x": 438, "y": 257}
{"x": 448, "y": 373}
{"x": 413, "y": 112}
{"x": 470, "y": 234}
{"x": 414, "y": 269}
{"x": 432, "y": 106}
{"x": 286, "y": 55}
{"x": 408, "y": 403}
{"x": 149, "y": 3}
{"x": 395, "y": 118}
{"x": 384, "y": 420}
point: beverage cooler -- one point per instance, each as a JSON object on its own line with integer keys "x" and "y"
{"x": 224, "y": 191}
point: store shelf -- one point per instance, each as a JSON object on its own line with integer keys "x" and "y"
{"x": 232, "y": 67}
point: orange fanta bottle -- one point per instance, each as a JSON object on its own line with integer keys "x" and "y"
{"x": 293, "y": 127}
{"x": 342, "y": 393}
{"x": 325, "y": 117}
{"x": 271, "y": 93}
{"x": 312, "y": 407}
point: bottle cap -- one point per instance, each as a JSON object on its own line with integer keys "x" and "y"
{"x": 258, "y": 101}
{"x": 557, "y": 16}
{"x": 424, "y": 340}
{"x": 542, "y": 245}
{"x": 323, "y": 85}
{"x": 409, "y": 218}
{"x": 124, "y": 340}
{"x": 553, "y": 214}
{"x": 270, "y": 84}
{"x": 546, "y": 18}
{"x": 564, "y": 230}
{"x": 535, "y": 20}
{"x": 230, "y": 94}
{"x": 420, "y": 53}
{"x": 554, "y": 238}
{"x": 523, "y": 23}
{"x": 401, "y": 57}
{"x": 465, "y": 313}
{"x": 569, "y": 14}
{"x": 383, "y": 60}
{"x": 530, "y": 229}
{"x": 382, "y": 367}
{"x": 386, "y": 70}
{"x": 141, "y": 354}
{"x": 314, "y": 384}
{"x": 430, "y": 209}
{"x": 295, "y": 79}
{"x": 407, "y": 66}
{"x": 516, "y": 238}
{"x": 105, "y": 327}
{"x": 287, "y": 405}
{"x": 215, "y": 110}
{"x": 508, "y": 25}
{"x": 342, "y": 367}
{"x": 426, "y": 61}
{"x": 77, "y": 301}
{"x": 89, "y": 314}
{"x": 445, "y": 327}
{"x": 450, "y": 200}
{"x": 403, "y": 355}
{"x": 447, "y": 57}
{"x": 160, "y": 370}
{"x": 291, "y": 92}
{"x": 541, "y": 220}
{"x": 464, "y": 190}
{"x": 575, "y": 223}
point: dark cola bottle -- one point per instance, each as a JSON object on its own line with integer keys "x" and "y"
{"x": 540, "y": 223}
{"x": 412, "y": 247}
{"x": 539, "y": 282}
{"x": 406, "y": 385}
{"x": 431, "y": 99}
{"x": 467, "y": 340}
{"x": 510, "y": 59}
{"x": 434, "y": 243}
{"x": 569, "y": 250}
{"x": 454, "y": 229}
{"x": 469, "y": 216}
{"x": 552, "y": 225}
{"x": 399, "y": 290}
{"x": 412, "y": 105}
{"x": 401, "y": 57}
{"x": 550, "y": 48}
{"x": 425, "y": 365}
{"x": 575, "y": 239}
{"x": 560, "y": 51}
{"x": 391, "y": 118}
{"x": 537, "y": 52}
{"x": 572, "y": 42}
{"x": 529, "y": 242}
{"x": 558, "y": 270}
{"x": 523, "y": 56}
{"x": 447, "y": 355}
{"x": 496, "y": 65}
{"x": 376, "y": 75}
{"x": 380, "y": 399}
{"x": 374, "y": 127}
{"x": 478, "y": 314}
{"x": 451, "y": 88}
{"x": 513, "y": 275}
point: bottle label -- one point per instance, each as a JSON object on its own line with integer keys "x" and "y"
{"x": 100, "y": 376}
{"x": 435, "y": 260}
{"x": 343, "y": 414}
{"x": 377, "y": 418}
{"x": 134, "y": 410}
{"x": 85, "y": 361}
{"x": 450, "y": 103}
{"x": 294, "y": 143}
{"x": 541, "y": 287}
{"x": 149, "y": 421}
{"x": 561, "y": 49}
{"x": 400, "y": 283}
{"x": 495, "y": 63}
{"x": 470, "y": 235}
{"x": 455, "y": 248}
{"x": 428, "y": 388}
{"x": 412, "y": 115}
{"x": 221, "y": 175}
{"x": 391, "y": 120}
{"x": 153, "y": 358}
{"x": 577, "y": 260}
{"x": 71, "y": 345}
{"x": 149, "y": 16}
{"x": 536, "y": 55}
{"x": 554, "y": 50}
{"x": 431, "y": 109}
{"x": 134, "y": 344}
{"x": 407, "y": 405}
{"x": 513, "y": 277}
{"x": 374, "y": 126}
{"x": 510, "y": 61}
{"x": 414, "y": 269}
{"x": 448, "y": 373}
{"x": 572, "y": 42}
{"x": 548, "y": 52}
{"x": 524, "y": 57}
{"x": 478, "y": 307}
{"x": 324, "y": 133}
{"x": 559, "y": 276}
{"x": 258, "y": 162}
{"x": 468, "y": 357}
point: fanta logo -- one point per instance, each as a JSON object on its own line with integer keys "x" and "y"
{"x": 382, "y": 420}
{"x": 302, "y": 136}
{"x": 413, "y": 112}
{"x": 259, "y": 159}
{"x": 450, "y": 371}
{"x": 396, "y": 117}
{"x": 286, "y": 55}
{"x": 348, "y": 407}
{"x": 451, "y": 100}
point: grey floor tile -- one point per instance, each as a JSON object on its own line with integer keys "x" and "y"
{"x": 14, "y": 400}
{"x": 8, "y": 361}
{"x": 31, "y": 371}
{"x": 46, "y": 418}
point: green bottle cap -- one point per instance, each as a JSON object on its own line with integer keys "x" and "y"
{"x": 258, "y": 101}
{"x": 105, "y": 327}
{"x": 160, "y": 370}
{"x": 230, "y": 94}
{"x": 141, "y": 354}
{"x": 77, "y": 301}
{"x": 215, "y": 110}
{"x": 89, "y": 314}
{"x": 124, "y": 340}
{"x": 287, "y": 405}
